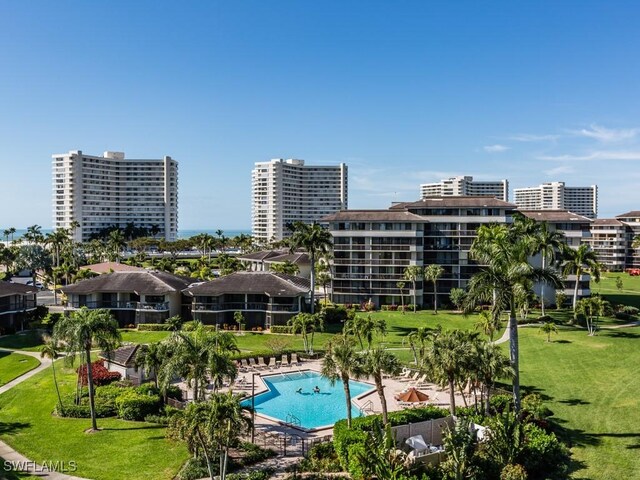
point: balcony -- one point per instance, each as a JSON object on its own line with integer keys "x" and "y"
{"x": 115, "y": 305}
{"x": 244, "y": 307}
{"x": 19, "y": 306}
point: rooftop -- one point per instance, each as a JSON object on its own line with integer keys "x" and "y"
{"x": 373, "y": 216}
{"x": 269, "y": 283}
{"x": 8, "y": 288}
{"x": 143, "y": 282}
{"x": 108, "y": 267}
{"x": 564, "y": 216}
{"x": 454, "y": 201}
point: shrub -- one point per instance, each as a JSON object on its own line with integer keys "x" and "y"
{"x": 254, "y": 453}
{"x": 262, "y": 474}
{"x": 173, "y": 391}
{"x": 101, "y": 376}
{"x": 334, "y": 314}
{"x": 193, "y": 469}
{"x": 159, "y": 419}
{"x": 513, "y": 472}
{"x": 499, "y": 403}
{"x": 321, "y": 458}
{"x": 631, "y": 310}
{"x": 132, "y": 405}
{"x": 544, "y": 456}
{"x": 457, "y": 296}
{"x": 71, "y": 410}
{"x": 561, "y": 298}
{"x": 624, "y": 316}
{"x": 546, "y": 319}
{"x": 154, "y": 327}
{"x": 280, "y": 329}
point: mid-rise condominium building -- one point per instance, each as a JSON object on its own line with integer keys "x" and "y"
{"x": 288, "y": 191}
{"x": 111, "y": 190}
{"x": 466, "y": 186}
{"x": 557, "y": 196}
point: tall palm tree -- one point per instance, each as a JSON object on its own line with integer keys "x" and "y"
{"x": 413, "y": 273}
{"x": 34, "y": 235}
{"x": 314, "y": 240}
{"x": 6, "y": 234}
{"x": 401, "y": 286}
{"x": 116, "y": 244}
{"x": 547, "y": 243}
{"x": 447, "y": 357}
{"x": 504, "y": 251}
{"x": 577, "y": 261}
{"x": 490, "y": 364}
{"x": 50, "y": 350}
{"x": 377, "y": 362}
{"x": 342, "y": 362}
{"x": 419, "y": 340}
{"x": 82, "y": 330}
{"x": 432, "y": 273}
{"x": 12, "y": 231}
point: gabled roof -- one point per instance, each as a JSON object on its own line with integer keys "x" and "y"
{"x": 269, "y": 283}
{"x": 143, "y": 282}
{"x": 564, "y": 216}
{"x": 607, "y": 221}
{"x": 108, "y": 267}
{"x": 125, "y": 356}
{"x": 631, "y": 214}
{"x": 8, "y": 288}
{"x": 454, "y": 201}
{"x": 295, "y": 258}
{"x": 262, "y": 255}
{"x": 373, "y": 216}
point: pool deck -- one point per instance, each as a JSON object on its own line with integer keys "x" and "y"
{"x": 368, "y": 402}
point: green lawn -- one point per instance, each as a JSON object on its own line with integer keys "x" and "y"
{"x": 629, "y": 295}
{"x": 30, "y": 340}
{"x": 12, "y": 365}
{"x": 121, "y": 450}
{"x": 592, "y": 385}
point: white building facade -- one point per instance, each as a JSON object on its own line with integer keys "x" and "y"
{"x": 557, "y": 196}
{"x": 287, "y": 191}
{"x": 466, "y": 186}
{"x": 102, "y": 191}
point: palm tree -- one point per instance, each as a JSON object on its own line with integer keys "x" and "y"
{"x": 576, "y": 262}
{"x": 419, "y": 340}
{"x": 504, "y": 251}
{"x": 79, "y": 332}
{"x": 12, "y": 231}
{"x": 285, "y": 267}
{"x": 432, "y": 273}
{"x": 365, "y": 327}
{"x": 324, "y": 278}
{"x": 34, "y": 235}
{"x": 115, "y": 244}
{"x": 50, "y": 350}
{"x": 150, "y": 358}
{"x": 6, "y": 234}
{"x": 342, "y": 362}
{"x": 210, "y": 428}
{"x": 548, "y": 328}
{"x": 376, "y": 363}
{"x": 547, "y": 243}
{"x": 490, "y": 365}
{"x": 400, "y": 286}
{"x": 592, "y": 308}
{"x": 314, "y": 240}
{"x": 307, "y": 324}
{"x": 447, "y": 358}
{"x": 488, "y": 323}
{"x": 196, "y": 354}
{"x": 413, "y": 273}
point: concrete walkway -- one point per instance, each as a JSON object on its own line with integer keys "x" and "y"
{"x": 20, "y": 462}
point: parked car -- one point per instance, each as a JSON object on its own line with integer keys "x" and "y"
{"x": 38, "y": 285}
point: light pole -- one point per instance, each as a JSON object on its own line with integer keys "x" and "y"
{"x": 253, "y": 407}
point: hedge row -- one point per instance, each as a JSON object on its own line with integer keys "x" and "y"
{"x": 154, "y": 327}
{"x": 280, "y": 329}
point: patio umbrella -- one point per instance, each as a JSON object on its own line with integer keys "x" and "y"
{"x": 413, "y": 396}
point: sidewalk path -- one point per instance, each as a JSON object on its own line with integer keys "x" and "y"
{"x": 7, "y": 453}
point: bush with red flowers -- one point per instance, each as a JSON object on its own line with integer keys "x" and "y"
{"x": 101, "y": 376}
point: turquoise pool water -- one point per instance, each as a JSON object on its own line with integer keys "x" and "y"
{"x": 314, "y": 410}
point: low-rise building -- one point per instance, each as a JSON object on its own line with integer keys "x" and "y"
{"x": 15, "y": 301}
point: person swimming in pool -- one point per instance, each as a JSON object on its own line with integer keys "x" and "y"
{"x": 299, "y": 390}
{"x": 316, "y": 389}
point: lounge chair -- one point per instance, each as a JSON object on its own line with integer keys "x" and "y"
{"x": 285, "y": 361}
{"x": 420, "y": 382}
{"x": 245, "y": 364}
{"x": 272, "y": 363}
{"x": 294, "y": 359}
{"x": 405, "y": 374}
{"x": 252, "y": 363}
{"x": 412, "y": 378}
{"x": 261, "y": 364}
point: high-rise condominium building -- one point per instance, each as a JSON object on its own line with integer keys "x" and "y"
{"x": 557, "y": 196}
{"x": 99, "y": 192}
{"x": 286, "y": 191}
{"x": 466, "y": 186}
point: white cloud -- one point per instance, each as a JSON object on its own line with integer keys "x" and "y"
{"x": 495, "y": 148}
{"x": 622, "y": 155}
{"x": 528, "y": 137}
{"x": 606, "y": 135}
{"x": 562, "y": 169}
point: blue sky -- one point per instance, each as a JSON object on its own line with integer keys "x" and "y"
{"x": 403, "y": 92}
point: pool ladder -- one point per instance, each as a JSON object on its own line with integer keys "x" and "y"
{"x": 293, "y": 420}
{"x": 367, "y": 407}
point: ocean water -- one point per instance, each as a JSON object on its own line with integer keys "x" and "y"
{"x": 312, "y": 409}
{"x": 181, "y": 233}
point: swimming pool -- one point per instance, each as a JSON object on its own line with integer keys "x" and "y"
{"x": 313, "y": 410}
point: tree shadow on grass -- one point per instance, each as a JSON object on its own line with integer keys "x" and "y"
{"x": 529, "y": 389}
{"x": 574, "y": 402}
{"x": 12, "y": 427}
{"x": 632, "y": 436}
{"x": 561, "y": 341}
{"x": 148, "y": 427}
{"x": 621, "y": 334}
